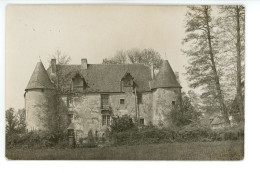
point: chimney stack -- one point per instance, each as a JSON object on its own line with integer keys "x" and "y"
{"x": 152, "y": 72}
{"x": 53, "y": 66}
{"x": 177, "y": 76}
{"x": 84, "y": 63}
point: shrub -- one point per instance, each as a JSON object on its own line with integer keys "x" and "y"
{"x": 121, "y": 124}
{"x": 34, "y": 139}
{"x": 90, "y": 140}
{"x": 190, "y": 133}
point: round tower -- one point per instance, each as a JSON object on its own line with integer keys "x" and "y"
{"x": 40, "y": 100}
{"x": 166, "y": 95}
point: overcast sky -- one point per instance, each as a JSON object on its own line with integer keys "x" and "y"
{"x": 94, "y": 32}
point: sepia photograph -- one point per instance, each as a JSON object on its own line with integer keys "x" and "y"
{"x": 124, "y": 82}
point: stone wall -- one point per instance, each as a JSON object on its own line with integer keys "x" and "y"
{"x": 87, "y": 113}
{"x": 128, "y": 108}
{"x": 146, "y": 108}
{"x": 40, "y": 108}
{"x": 162, "y": 105}
{"x": 155, "y": 107}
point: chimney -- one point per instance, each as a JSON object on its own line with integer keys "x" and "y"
{"x": 84, "y": 63}
{"x": 53, "y": 66}
{"x": 152, "y": 72}
{"x": 177, "y": 76}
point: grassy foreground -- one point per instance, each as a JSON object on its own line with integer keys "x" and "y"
{"x": 224, "y": 150}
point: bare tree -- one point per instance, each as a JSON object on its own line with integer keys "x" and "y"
{"x": 132, "y": 56}
{"x": 62, "y": 59}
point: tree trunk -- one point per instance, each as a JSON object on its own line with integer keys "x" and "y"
{"x": 213, "y": 66}
{"x": 238, "y": 46}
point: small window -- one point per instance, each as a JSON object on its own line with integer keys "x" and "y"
{"x": 122, "y": 101}
{"x": 173, "y": 103}
{"x": 42, "y": 90}
{"x": 108, "y": 120}
{"x": 142, "y": 121}
{"x": 105, "y": 120}
{"x": 139, "y": 98}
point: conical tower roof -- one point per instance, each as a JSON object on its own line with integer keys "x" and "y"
{"x": 165, "y": 77}
{"x": 40, "y": 79}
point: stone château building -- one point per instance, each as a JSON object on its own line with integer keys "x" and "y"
{"x": 88, "y": 96}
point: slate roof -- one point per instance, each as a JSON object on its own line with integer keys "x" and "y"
{"x": 40, "y": 79}
{"x": 165, "y": 77}
{"x": 104, "y": 77}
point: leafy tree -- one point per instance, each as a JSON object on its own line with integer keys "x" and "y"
{"x": 15, "y": 121}
{"x": 21, "y": 118}
{"x": 203, "y": 51}
{"x": 132, "y": 56}
{"x": 11, "y": 120}
{"x": 187, "y": 114}
{"x": 233, "y": 36}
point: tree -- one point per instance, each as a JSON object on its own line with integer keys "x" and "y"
{"x": 189, "y": 112}
{"x": 15, "y": 121}
{"x": 11, "y": 120}
{"x": 21, "y": 118}
{"x": 62, "y": 59}
{"x": 234, "y": 37}
{"x": 132, "y": 56}
{"x": 203, "y": 53}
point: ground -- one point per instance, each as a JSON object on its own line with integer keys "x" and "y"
{"x": 224, "y": 150}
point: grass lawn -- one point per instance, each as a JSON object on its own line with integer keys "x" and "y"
{"x": 224, "y": 150}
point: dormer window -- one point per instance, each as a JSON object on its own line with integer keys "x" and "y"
{"x": 79, "y": 83}
{"x": 128, "y": 80}
{"x": 127, "y": 83}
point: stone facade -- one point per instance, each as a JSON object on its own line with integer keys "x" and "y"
{"x": 164, "y": 101}
{"x": 86, "y": 103}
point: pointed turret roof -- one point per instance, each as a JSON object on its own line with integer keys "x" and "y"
{"x": 165, "y": 77}
{"x": 40, "y": 79}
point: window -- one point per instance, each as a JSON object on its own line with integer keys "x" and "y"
{"x": 139, "y": 98}
{"x": 128, "y": 83}
{"x": 70, "y": 117}
{"x": 173, "y": 103}
{"x": 105, "y": 120}
{"x": 128, "y": 80}
{"x": 79, "y": 83}
{"x": 104, "y": 101}
{"x": 122, "y": 101}
{"x": 142, "y": 121}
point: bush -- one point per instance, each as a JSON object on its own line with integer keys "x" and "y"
{"x": 34, "y": 139}
{"x": 121, "y": 124}
{"x": 190, "y": 133}
{"x": 91, "y": 143}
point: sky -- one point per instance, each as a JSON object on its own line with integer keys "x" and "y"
{"x": 95, "y": 32}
